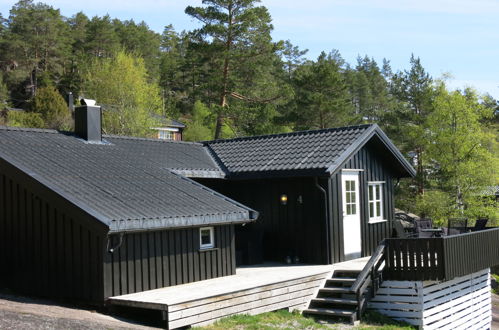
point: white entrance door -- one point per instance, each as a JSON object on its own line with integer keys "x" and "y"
{"x": 351, "y": 215}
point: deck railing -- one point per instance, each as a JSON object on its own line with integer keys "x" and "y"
{"x": 370, "y": 276}
{"x": 441, "y": 258}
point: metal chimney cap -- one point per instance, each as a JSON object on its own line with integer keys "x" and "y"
{"x": 87, "y": 102}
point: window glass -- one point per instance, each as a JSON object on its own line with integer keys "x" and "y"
{"x": 375, "y": 201}
{"x": 350, "y": 197}
{"x": 206, "y": 237}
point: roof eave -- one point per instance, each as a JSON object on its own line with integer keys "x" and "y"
{"x": 141, "y": 225}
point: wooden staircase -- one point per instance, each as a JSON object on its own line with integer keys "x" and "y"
{"x": 336, "y": 298}
{"x": 346, "y": 293}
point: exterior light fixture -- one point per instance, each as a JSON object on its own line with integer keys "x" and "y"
{"x": 284, "y": 199}
{"x": 300, "y": 199}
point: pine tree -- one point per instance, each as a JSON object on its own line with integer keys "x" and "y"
{"x": 101, "y": 38}
{"x": 322, "y": 95}
{"x": 37, "y": 41}
{"x": 236, "y": 33}
{"x": 138, "y": 39}
{"x": 52, "y": 108}
{"x": 416, "y": 90}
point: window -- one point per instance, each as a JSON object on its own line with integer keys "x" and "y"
{"x": 165, "y": 135}
{"x": 351, "y": 197}
{"x": 206, "y": 238}
{"x": 375, "y": 195}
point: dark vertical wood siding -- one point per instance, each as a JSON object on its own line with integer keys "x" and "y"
{"x": 151, "y": 260}
{"x": 295, "y": 229}
{"x": 46, "y": 248}
{"x": 374, "y": 169}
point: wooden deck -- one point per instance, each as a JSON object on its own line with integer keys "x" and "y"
{"x": 253, "y": 290}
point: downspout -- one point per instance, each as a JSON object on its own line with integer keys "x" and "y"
{"x": 324, "y": 193}
{"x": 113, "y": 249}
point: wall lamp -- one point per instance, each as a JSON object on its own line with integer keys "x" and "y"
{"x": 284, "y": 199}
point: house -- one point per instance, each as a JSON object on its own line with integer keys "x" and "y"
{"x": 162, "y": 225}
{"x": 169, "y": 129}
{"x": 324, "y": 196}
{"x": 85, "y": 218}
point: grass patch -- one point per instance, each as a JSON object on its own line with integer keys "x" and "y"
{"x": 274, "y": 320}
{"x": 375, "y": 320}
{"x": 285, "y": 320}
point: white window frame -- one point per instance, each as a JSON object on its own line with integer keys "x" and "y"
{"x": 210, "y": 245}
{"x": 165, "y": 135}
{"x": 377, "y": 217}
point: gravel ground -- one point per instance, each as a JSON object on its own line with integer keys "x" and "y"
{"x": 18, "y": 312}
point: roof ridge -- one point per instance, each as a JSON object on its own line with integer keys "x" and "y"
{"x": 306, "y": 132}
{"x": 125, "y": 137}
{"x": 28, "y": 129}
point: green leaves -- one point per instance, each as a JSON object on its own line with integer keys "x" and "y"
{"x": 120, "y": 84}
{"x": 457, "y": 142}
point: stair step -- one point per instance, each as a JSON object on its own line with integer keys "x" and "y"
{"x": 341, "y": 301}
{"x": 330, "y": 312}
{"x": 348, "y": 280}
{"x": 337, "y": 290}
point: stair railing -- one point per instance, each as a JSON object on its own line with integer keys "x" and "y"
{"x": 370, "y": 275}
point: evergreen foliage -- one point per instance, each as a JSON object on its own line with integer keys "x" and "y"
{"x": 25, "y": 119}
{"x": 229, "y": 78}
{"x": 52, "y": 108}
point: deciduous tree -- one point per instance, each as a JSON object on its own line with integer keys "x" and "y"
{"x": 121, "y": 85}
{"x": 458, "y": 146}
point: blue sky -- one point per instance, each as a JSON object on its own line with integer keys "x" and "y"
{"x": 460, "y": 37}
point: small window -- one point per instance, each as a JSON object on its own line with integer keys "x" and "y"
{"x": 165, "y": 135}
{"x": 375, "y": 196}
{"x": 206, "y": 238}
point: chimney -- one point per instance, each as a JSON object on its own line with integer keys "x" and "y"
{"x": 71, "y": 104}
{"x": 88, "y": 122}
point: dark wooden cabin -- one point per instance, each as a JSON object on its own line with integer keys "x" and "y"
{"x": 299, "y": 182}
{"x": 85, "y": 218}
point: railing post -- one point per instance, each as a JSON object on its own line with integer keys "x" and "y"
{"x": 359, "y": 304}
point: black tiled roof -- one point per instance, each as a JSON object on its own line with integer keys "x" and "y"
{"x": 128, "y": 183}
{"x": 311, "y": 152}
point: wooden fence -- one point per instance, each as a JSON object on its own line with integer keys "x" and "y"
{"x": 440, "y": 258}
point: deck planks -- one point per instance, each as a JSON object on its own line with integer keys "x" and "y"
{"x": 252, "y": 290}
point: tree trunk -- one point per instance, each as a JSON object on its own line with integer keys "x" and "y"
{"x": 420, "y": 171}
{"x": 223, "y": 100}
{"x": 225, "y": 78}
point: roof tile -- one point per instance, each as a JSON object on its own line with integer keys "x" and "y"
{"x": 130, "y": 182}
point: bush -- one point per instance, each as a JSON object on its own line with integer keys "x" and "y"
{"x": 436, "y": 205}
{"x": 25, "y": 119}
{"x": 52, "y": 107}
